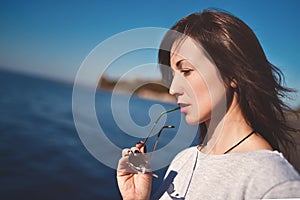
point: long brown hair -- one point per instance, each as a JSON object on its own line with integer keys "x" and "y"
{"x": 239, "y": 57}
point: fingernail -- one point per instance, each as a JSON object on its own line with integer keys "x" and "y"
{"x": 136, "y": 151}
{"x": 140, "y": 142}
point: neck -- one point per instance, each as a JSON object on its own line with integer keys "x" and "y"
{"x": 227, "y": 132}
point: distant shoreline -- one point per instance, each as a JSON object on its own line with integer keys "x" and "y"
{"x": 147, "y": 89}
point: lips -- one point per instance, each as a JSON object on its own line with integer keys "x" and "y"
{"x": 183, "y": 107}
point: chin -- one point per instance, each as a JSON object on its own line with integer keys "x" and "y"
{"x": 196, "y": 118}
{"x": 191, "y": 120}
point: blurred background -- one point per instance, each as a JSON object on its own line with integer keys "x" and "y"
{"x": 42, "y": 46}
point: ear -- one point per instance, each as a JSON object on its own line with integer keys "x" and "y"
{"x": 233, "y": 83}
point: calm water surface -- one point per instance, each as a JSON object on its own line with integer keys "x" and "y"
{"x": 42, "y": 156}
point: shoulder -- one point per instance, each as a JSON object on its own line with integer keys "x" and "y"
{"x": 256, "y": 142}
{"x": 271, "y": 174}
{"x": 263, "y": 163}
{"x": 260, "y": 173}
{"x": 286, "y": 189}
{"x": 273, "y": 162}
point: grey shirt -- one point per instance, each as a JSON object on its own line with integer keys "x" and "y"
{"x": 245, "y": 175}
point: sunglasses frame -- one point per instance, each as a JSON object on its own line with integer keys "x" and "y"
{"x": 140, "y": 161}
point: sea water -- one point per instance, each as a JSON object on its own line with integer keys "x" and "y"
{"x": 41, "y": 153}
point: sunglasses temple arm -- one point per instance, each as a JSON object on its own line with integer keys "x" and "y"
{"x": 156, "y": 140}
{"x": 155, "y": 144}
{"x": 156, "y": 121}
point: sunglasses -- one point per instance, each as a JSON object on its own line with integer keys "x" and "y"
{"x": 141, "y": 162}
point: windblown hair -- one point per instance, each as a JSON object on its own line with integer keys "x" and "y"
{"x": 240, "y": 58}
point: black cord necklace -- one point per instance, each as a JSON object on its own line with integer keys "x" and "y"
{"x": 237, "y": 144}
{"x": 240, "y": 142}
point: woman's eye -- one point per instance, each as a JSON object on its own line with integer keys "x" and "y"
{"x": 185, "y": 71}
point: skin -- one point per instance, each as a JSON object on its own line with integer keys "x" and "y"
{"x": 196, "y": 83}
{"x": 200, "y": 92}
{"x": 133, "y": 185}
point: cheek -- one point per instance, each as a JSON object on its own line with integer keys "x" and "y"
{"x": 218, "y": 94}
{"x": 201, "y": 103}
{"x": 207, "y": 96}
{"x": 214, "y": 104}
{"x": 204, "y": 106}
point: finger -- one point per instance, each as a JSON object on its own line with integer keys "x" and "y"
{"x": 135, "y": 150}
{"x": 143, "y": 149}
{"x": 139, "y": 144}
{"x": 125, "y": 152}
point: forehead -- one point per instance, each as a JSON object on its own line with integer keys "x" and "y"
{"x": 187, "y": 49}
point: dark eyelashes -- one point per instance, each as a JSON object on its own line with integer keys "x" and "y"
{"x": 185, "y": 71}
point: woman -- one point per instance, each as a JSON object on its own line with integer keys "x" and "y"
{"x": 212, "y": 55}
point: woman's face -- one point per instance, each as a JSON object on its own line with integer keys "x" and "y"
{"x": 196, "y": 82}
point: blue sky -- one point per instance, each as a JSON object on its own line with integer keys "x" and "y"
{"x": 52, "y": 38}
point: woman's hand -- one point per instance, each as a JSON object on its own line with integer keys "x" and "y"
{"x": 133, "y": 184}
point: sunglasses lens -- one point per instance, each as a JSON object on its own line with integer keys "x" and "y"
{"x": 139, "y": 162}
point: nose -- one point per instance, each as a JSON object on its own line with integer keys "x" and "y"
{"x": 175, "y": 87}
